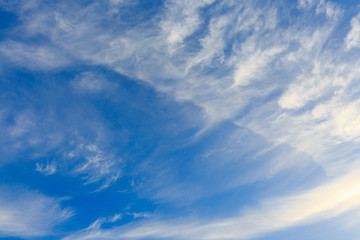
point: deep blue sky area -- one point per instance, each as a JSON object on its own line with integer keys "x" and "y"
{"x": 179, "y": 120}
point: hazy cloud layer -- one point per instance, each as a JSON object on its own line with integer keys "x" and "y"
{"x": 29, "y": 214}
{"x": 184, "y": 103}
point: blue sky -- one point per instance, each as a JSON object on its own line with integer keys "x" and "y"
{"x": 209, "y": 119}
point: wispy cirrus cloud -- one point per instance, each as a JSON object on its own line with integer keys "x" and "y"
{"x": 26, "y": 214}
{"x": 181, "y": 19}
{"x": 47, "y": 169}
{"x": 32, "y": 56}
{"x": 39, "y": 132}
{"x": 93, "y": 83}
{"x": 271, "y": 69}
{"x": 182, "y": 72}
{"x": 187, "y": 66}
{"x": 318, "y": 109}
{"x": 98, "y": 165}
{"x": 353, "y": 39}
{"x": 323, "y": 202}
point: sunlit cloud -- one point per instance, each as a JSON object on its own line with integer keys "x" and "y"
{"x": 178, "y": 119}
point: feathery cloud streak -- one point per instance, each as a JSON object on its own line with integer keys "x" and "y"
{"x": 287, "y": 73}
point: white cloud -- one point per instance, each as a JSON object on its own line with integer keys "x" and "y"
{"x": 183, "y": 71}
{"x": 24, "y": 122}
{"x": 232, "y": 47}
{"x": 40, "y": 132}
{"x": 319, "y": 82}
{"x": 313, "y": 114}
{"x": 305, "y": 3}
{"x": 182, "y": 19}
{"x": 328, "y": 8}
{"x": 325, "y": 201}
{"x": 26, "y": 130}
{"x": 98, "y": 222}
{"x": 353, "y": 38}
{"x": 142, "y": 215}
{"x": 98, "y": 166}
{"x": 318, "y": 113}
{"x": 342, "y": 118}
{"x": 145, "y": 54}
{"x": 47, "y": 169}
{"x": 32, "y": 56}
{"x": 254, "y": 66}
{"x": 92, "y": 82}
{"x": 27, "y": 214}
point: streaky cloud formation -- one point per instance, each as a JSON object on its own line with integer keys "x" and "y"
{"x": 320, "y": 203}
{"x": 27, "y": 213}
{"x": 352, "y": 39}
{"x": 179, "y": 119}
